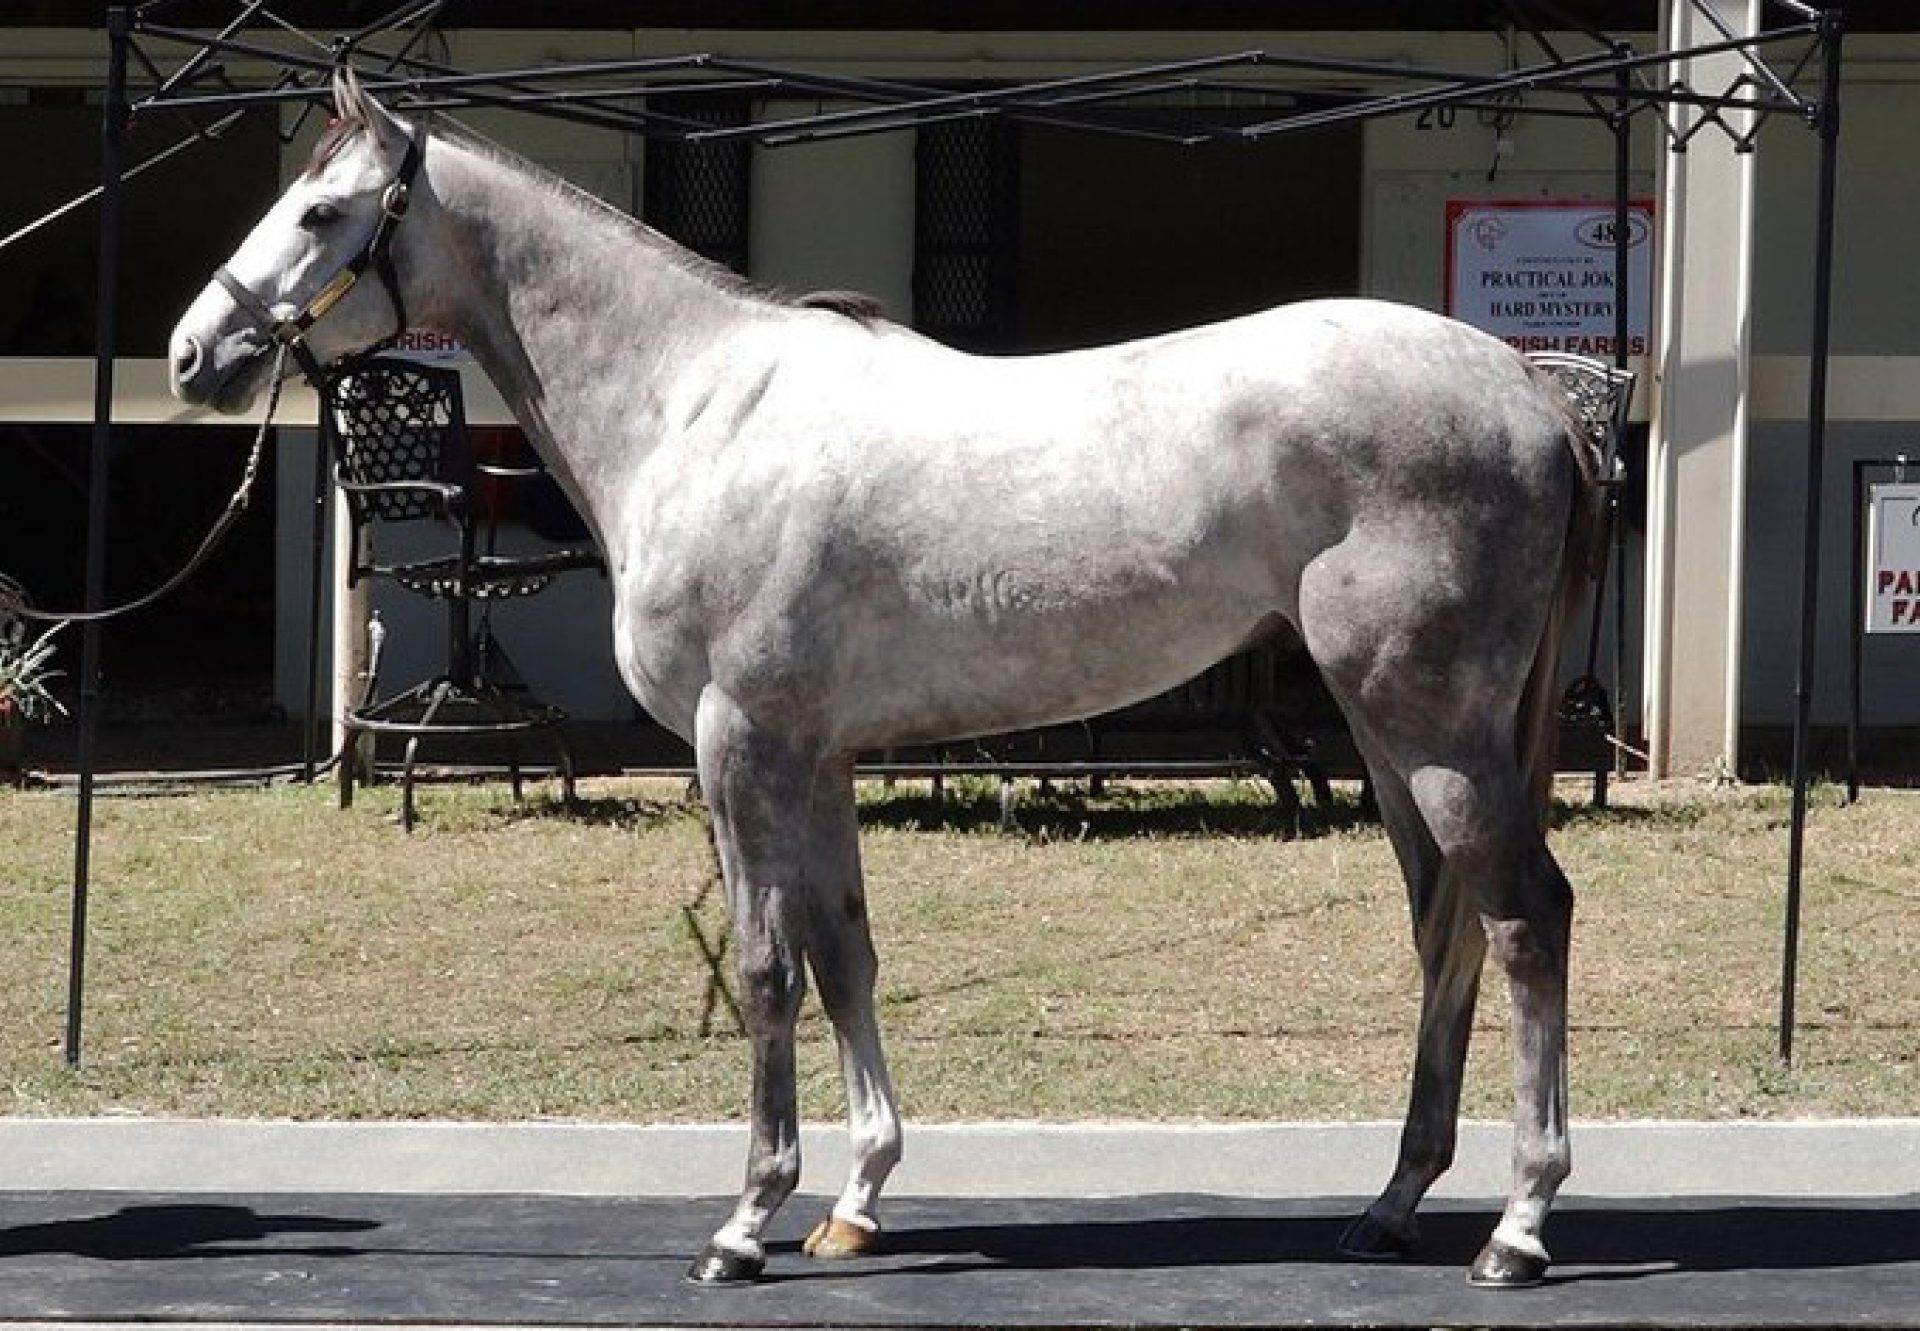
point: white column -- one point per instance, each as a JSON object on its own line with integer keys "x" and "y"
{"x": 1698, "y": 460}
{"x": 351, "y": 607}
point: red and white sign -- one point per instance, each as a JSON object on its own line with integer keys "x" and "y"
{"x": 1893, "y": 558}
{"x": 1539, "y": 273}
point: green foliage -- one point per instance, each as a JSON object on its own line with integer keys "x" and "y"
{"x": 26, "y": 670}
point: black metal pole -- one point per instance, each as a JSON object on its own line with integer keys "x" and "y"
{"x": 112, "y": 141}
{"x": 1856, "y": 631}
{"x": 1827, "y": 124}
{"x": 1622, "y": 354}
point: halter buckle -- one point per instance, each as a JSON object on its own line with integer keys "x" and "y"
{"x": 328, "y": 296}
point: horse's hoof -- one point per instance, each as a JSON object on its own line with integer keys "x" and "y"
{"x": 1370, "y": 1241}
{"x": 719, "y": 1266}
{"x": 834, "y": 1239}
{"x": 1501, "y": 1266}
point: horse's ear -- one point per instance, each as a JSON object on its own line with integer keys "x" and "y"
{"x": 351, "y": 101}
{"x": 387, "y": 127}
{"x": 349, "y": 98}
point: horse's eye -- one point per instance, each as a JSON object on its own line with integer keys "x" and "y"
{"x": 321, "y": 214}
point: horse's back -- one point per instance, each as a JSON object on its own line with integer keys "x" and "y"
{"x": 937, "y": 544}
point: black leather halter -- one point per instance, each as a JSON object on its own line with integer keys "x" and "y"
{"x": 377, "y": 254}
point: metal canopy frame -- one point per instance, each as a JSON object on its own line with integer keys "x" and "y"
{"x": 1177, "y": 102}
{"x": 1609, "y": 79}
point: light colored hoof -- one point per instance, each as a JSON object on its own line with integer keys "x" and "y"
{"x": 836, "y": 1240}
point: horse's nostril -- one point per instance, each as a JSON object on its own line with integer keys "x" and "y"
{"x": 186, "y": 358}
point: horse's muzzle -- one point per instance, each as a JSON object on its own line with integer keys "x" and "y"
{"x": 226, "y": 374}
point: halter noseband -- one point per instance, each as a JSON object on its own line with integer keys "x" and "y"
{"x": 377, "y": 254}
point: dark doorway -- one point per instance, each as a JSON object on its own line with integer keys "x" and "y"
{"x": 1123, "y": 237}
{"x": 214, "y": 638}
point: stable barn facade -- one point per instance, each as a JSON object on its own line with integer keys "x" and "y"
{"x": 1020, "y": 237}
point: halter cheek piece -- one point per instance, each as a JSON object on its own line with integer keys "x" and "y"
{"x": 377, "y": 254}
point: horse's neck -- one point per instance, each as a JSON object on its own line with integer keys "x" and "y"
{"x": 582, "y": 324}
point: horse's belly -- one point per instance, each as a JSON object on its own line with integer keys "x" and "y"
{"x": 935, "y": 679}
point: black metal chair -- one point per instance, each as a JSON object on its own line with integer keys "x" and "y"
{"x": 396, "y": 431}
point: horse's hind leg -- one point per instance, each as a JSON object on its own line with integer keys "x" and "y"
{"x": 1483, "y": 821}
{"x": 840, "y": 950}
{"x": 1530, "y": 937}
{"x": 1431, "y": 667}
{"x": 757, "y": 786}
{"x": 1451, "y": 951}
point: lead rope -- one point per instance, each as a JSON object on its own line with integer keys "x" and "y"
{"x": 13, "y": 601}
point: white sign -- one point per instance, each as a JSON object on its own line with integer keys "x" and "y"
{"x": 1539, "y": 273}
{"x": 1893, "y": 558}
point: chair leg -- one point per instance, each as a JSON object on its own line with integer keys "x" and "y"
{"x": 569, "y": 795}
{"x": 406, "y": 784}
{"x": 441, "y": 692}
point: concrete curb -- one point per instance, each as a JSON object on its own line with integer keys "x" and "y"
{"x": 1832, "y": 1158}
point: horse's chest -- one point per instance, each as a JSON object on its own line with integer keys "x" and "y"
{"x": 661, "y": 652}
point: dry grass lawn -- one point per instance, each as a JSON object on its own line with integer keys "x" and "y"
{"x": 1163, "y": 953}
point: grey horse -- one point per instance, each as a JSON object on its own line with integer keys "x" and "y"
{"x": 827, "y": 534}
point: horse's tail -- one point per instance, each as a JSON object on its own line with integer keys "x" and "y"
{"x": 1582, "y": 550}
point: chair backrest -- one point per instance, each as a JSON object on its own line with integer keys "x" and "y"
{"x": 395, "y": 420}
{"x": 1602, "y": 396}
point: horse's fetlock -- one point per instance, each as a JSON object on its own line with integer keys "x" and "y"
{"x": 1555, "y": 1168}
{"x": 1429, "y": 1162}
{"x": 878, "y": 1145}
{"x": 776, "y": 1173}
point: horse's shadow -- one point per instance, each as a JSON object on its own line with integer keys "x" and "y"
{"x": 176, "y": 1231}
{"x": 1623, "y": 1242}
{"x": 1593, "y": 1243}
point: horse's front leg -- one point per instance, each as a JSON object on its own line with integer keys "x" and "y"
{"x": 756, "y": 783}
{"x": 840, "y": 949}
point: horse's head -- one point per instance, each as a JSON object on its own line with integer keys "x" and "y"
{"x": 296, "y": 278}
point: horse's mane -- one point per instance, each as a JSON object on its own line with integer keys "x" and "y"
{"x": 860, "y": 308}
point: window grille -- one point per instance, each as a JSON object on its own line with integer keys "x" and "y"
{"x": 698, "y": 193}
{"x": 965, "y": 233}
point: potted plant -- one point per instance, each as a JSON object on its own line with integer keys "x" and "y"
{"x": 26, "y": 671}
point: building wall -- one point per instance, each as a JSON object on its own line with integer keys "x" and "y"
{"x": 841, "y": 215}
{"x": 1876, "y": 345}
